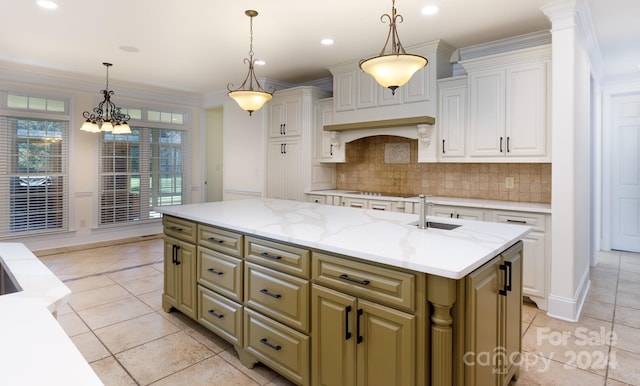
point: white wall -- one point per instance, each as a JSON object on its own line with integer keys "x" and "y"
{"x": 83, "y": 147}
{"x": 244, "y": 159}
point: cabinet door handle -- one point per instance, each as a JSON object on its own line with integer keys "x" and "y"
{"x": 516, "y": 221}
{"x": 270, "y": 256}
{"x": 443, "y": 147}
{"x": 174, "y": 255}
{"x": 177, "y": 254}
{"x": 458, "y": 215}
{"x": 331, "y": 150}
{"x": 213, "y": 271}
{"x": 281, "y": 133}
{"x": 344, "y": 276}
{"x": 282, "y": 148}
{"x": 214, "y": 240}
{"x": 266, "y": 292}
{"x": 359, "y": 338}
{"x": 503, "y": 291}
{"x": 500, "y": 144}
{"x": 451, "y": 215}
{"x": 284, "y": 145}
{"x": 508, "y": 148}
{"x": 508, "y": 284}
{"x": 284, "y": 129}
{"x": 347, "y": 334}
{"x": 265, "y": 342}
{"x": 215, "y": 314}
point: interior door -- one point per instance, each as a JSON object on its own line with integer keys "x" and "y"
{"x": 625, "y": 194}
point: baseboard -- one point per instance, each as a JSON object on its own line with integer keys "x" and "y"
{"x": 569, "y": 309}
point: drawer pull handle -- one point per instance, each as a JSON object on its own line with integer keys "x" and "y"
{"x": 213, "y": 271}
{"x": 265, "y": 342}
{"x": 214, "y": 240}
{"x": 516, "y": 221}
{"x": 215, "y": 314}
{"x": 270, "y": 256}
{"x": 177, "y": 229}
{"x": 266, "y": 292}
{"x": 344, "y": 276}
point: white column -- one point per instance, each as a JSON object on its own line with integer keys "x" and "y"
{"x": 570, "y": 137}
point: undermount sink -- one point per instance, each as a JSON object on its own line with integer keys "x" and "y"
{"x": 437, "y": 225}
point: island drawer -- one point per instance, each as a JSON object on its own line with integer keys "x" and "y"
{"x": 278, "y": 346}
{"x": 220, "y": 315}
{"x": 220, "y": 272}
{"x": 395, "y": 288}
{"x": 283, "y": 257}
{"x": 220, "y": 240}
{"x": 184, "y": 230}
{"x": 278, "y": 295}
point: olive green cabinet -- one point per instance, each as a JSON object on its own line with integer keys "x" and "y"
{"x": 365, "y": 324}
{"x": 494, "y": 316}
{"x": 358, "y": 342}
{"x": 179, "y": 276}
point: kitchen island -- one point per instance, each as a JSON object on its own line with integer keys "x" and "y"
{"x": 334, "y": 295}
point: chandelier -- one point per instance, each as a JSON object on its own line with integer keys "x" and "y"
{"x": 394, "y": 69}
{"x": 249, "y": 98}
{"x": 107, "y": 116}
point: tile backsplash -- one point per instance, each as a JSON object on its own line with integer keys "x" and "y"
{"x": 365, "y": 170}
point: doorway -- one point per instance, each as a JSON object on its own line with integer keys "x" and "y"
{"x": 625, "y": 172}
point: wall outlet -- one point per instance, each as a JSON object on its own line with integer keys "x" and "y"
{"x": 509, "y": 182}
{"x": 343, "y": 178}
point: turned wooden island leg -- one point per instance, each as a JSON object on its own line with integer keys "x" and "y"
{"x": 441, "y": 294}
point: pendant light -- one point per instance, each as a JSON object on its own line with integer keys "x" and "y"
{"x": 394, "y": 69}
{"x": 249, "y": 98}
{"x": 107, "y": 116}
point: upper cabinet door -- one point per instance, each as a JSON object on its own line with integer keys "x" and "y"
{"x": 344, "y": 91}
{"x": 452, "y": 116}
{"x": 526, "y": 119}
{"x": 487, "y": 113}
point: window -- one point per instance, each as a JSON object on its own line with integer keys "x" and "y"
{"x": 33, "y": 174}
{"x": 142, "y": 170}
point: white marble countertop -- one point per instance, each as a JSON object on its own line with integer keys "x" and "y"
{"x": 34, "y": 348}
{"x": 380, "y": 236}
{"x": 453, "y": 201}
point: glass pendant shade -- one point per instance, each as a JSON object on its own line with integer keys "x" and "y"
{"x": 393, "y": 71}
{"x": 106, "y": 126}
{"x": 122, "y": 128}
{"x": 90, "y": 127}
{"x": 250, "y": 100}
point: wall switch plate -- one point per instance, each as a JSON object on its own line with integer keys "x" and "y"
{"x": 509, "y": 182}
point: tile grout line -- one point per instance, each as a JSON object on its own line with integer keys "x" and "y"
{"x": 112, "y": 271}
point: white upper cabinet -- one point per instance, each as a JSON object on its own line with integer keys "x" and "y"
{"x": 285, "y": 117}
{"x": 452, "y": 117}
{"x": 508, "y": 106}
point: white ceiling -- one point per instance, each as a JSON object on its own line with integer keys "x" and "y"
{"x": 199, "y": 45}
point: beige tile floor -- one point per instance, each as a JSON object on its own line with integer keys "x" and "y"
{"x": 116, "y": 320}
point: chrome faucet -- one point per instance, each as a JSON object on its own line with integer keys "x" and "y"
{"x": 422, "y": 220}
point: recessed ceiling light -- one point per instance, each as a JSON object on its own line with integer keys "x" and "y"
{"x": 259, "y": 62}
{"x": 48, "y": 4}
{"x": 326, "y": 41}
{"x": 430, "y": 10}
{"x": 129, "y": 49}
